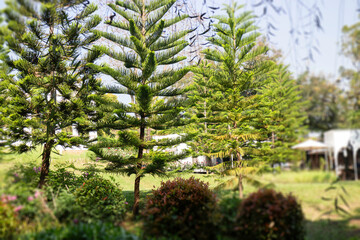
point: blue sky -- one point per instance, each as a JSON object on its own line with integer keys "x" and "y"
{"x": 335, "y": 14}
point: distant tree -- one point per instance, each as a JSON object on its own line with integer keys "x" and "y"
{"x": 324, "y": 109}
{"x": 200, "y": 112}
{"x": 49, "y": 84}
{"x": 148, "y": 72}
{"x": 351, "y": 49}
{"x": 235, "y": 78}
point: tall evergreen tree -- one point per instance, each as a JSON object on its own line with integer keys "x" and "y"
{"x": 148, "y": 72}
{"x": 50, "y": 82}
{"x": 200, "y": 111}
{"x": 4, "y": 70}
{"x": 283, "y": 116}
{"x": 235, "y": 79}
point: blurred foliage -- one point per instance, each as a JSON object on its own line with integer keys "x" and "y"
{"x": 267, "y": 214}
{"x": 82, "y": 231}
{"x": 351, "y": 75}
{"x": 337, "y": 194}
{"x": 325, "y": 102}
{"x": 8, "y": 219}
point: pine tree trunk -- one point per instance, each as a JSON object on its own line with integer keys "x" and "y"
{"x": 136, "y": 196}
{"x": 241, "y": 189}
{"x": 142, "y": 133}
{"x": 240, "y": 177}
{"x": 137, "y": 179}
{"x": 45, "y": 164}
{"x": 273, "y": 145}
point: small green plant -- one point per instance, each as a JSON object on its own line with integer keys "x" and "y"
{"x": 267, "y": 214}
{"x": 184, "y": 208}
{"x": 100, "y": 199}
{"x": 8, "y": 220}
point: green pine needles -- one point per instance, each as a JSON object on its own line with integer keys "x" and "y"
{"x": 148, "y": 71}
{"x": 49, "y": 85}
{"x": 283, "y": 116}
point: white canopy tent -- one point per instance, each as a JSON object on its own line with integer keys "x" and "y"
{"x": 310, "y": 145}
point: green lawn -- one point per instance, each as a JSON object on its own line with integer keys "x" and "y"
{"x": 308, "y": 186}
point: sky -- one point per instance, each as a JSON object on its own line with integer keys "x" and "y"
{"x": 334, "y": 14}
{"x": 328, "y": 59}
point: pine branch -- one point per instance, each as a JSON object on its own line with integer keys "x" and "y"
{"x": 156, "y": 16}
{"x": 129, "y": 5}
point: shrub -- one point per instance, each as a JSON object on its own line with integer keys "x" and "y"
{"x": 26, "y": 174}
{"x": 64, "y": 178}
{"x": 29, "y": 203}
{"x": 100, "y": 199}
{"x": 8, "y": 220}
{"x": 184, "y": 208}
{"x": 25, "y": 201}
{"x": 228, "y": 208}
{"x": 267, "y": 214}
{"x": 97, "y": 230}
{"x": 65, "y": 207}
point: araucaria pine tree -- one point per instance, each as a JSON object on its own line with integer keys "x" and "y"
{"x": 147, "y": 70}
{"x": 283, "y": 115}
{"x": 4, "y": 70}
{"x": 49, "y": 83}
{"x": 234, "y": 128}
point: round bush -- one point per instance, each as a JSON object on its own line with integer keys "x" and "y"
{"x": 8, "y": 221}
{"x": 100, "y": 199}
{"x": 267, "y": 214}
{"x": 182, "y": 208}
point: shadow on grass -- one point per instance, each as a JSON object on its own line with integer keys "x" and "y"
{"x": 343, "y": 229}
{"x": 4, "y": 156}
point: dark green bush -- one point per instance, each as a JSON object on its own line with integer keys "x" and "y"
{"x": 267, "y": 214}
{"x": 65, "y": 207}
{"x": 228, "y": 208}
{"x": 83, "y": 231}
{"x": 100, "y": 199}
{"x": 183, "y": 208}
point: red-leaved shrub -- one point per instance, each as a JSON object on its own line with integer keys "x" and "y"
{"x": 182, "y": 208}
{"x": 267, "y": 214}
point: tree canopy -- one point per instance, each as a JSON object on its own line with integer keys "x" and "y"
{"x": 49, "y": 82}
{"x": 147, "y": 70}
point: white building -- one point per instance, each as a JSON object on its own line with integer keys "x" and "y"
{"x": 340, "y": 142}
{"x": 178, "y": 149}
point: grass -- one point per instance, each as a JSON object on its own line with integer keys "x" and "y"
{"x": 308, "y": 186}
